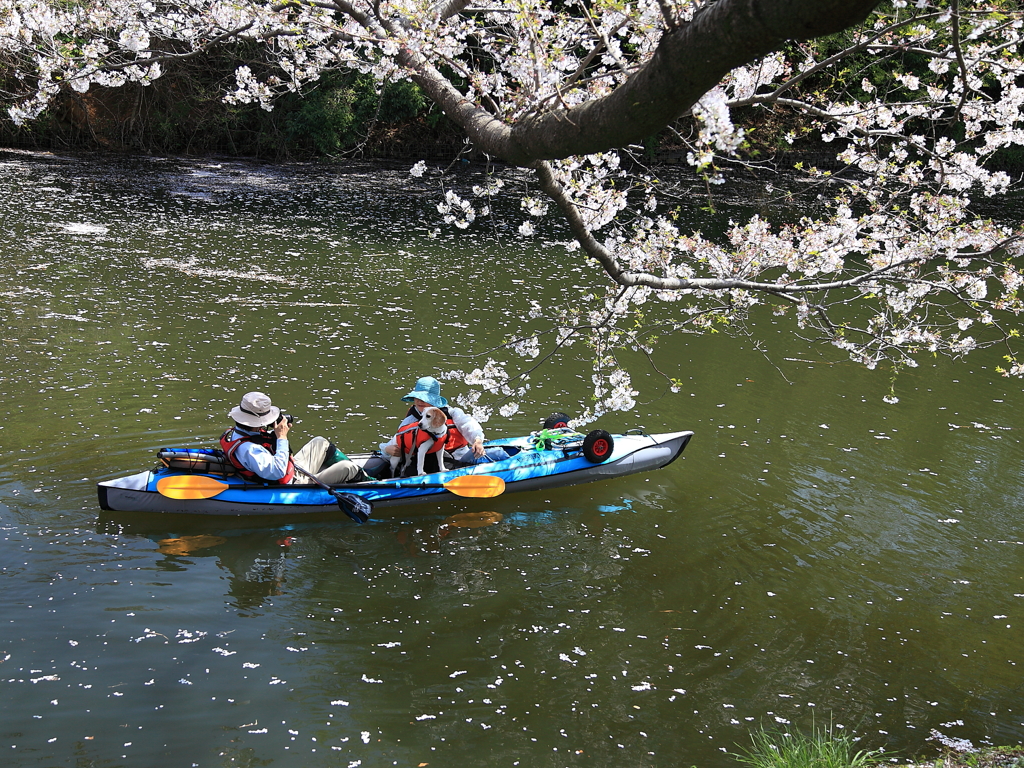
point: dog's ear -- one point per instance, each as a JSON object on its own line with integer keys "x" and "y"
{"x": 437, "y": 418}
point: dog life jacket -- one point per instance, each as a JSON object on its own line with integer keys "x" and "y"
{"x": 412, "y": 436}
{"x": 268, "y": 441}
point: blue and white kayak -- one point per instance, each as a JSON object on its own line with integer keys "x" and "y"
{"x": 549, "y": 459}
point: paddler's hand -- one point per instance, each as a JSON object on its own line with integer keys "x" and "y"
{"x": 478, "y": 447}
{"x": 281, "y": 429}
{"x": 391, "y": 450}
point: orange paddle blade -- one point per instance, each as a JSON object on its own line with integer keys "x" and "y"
{"x": 479, "y": 486}
{"x": 190, "y": 487}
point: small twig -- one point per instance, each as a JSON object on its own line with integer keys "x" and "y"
{"x": 955, "y": 20}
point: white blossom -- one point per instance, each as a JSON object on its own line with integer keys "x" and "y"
{"x": 918, "y": 266}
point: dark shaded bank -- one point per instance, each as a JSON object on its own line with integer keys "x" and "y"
{"x": 345, "y": 114}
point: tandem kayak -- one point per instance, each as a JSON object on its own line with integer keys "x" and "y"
{"x": 199, "y": 481}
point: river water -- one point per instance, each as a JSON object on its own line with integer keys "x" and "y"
{"x": 816, "y": 557}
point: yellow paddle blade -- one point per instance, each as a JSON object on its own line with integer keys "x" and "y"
{"x": 480, "y": 486}
{"x": 190, "y": 487}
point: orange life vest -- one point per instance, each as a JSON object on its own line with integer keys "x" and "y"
{"x": 412, "y": 436}
{"x": 268, "y": 441}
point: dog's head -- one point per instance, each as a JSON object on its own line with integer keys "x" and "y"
{"x": 433, "y": 419}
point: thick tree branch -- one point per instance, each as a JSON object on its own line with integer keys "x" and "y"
{"x": 826, "y": 63}
{"x": 450, "y": 8}
{"x": 690, "y": 60}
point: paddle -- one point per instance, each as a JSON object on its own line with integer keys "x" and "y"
{"x": 478, "y": 486}
{"x": 190, "y": 487}
{"x": 202, "y": 487}
{"x": 354, "y": 506}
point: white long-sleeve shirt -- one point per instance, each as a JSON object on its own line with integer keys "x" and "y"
{"x": 256, "y": 458}
{"x": 466, "y": 424}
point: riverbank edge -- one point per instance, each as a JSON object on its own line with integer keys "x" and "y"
{"x": 987, "y": 757}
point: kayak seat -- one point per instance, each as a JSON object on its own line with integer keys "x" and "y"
{"x": 201, "y": 461}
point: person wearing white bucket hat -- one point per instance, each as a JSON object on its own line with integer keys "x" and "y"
{"x": 257, "y": 446}
{"x": 466, "y": 436}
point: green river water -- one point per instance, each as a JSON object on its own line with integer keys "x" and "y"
{"x": 816, "y": 555}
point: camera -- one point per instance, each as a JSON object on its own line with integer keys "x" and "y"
{"x": 285, "y": 417}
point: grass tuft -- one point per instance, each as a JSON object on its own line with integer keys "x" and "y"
{"x": 821, "y": 748}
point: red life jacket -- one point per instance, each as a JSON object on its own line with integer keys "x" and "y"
{"x": 268, "y": 441}
{"x": 412, "y": 436}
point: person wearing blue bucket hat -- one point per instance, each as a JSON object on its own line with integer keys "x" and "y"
{"x": 427, "y": 389}
{"x": 466, "y": 436}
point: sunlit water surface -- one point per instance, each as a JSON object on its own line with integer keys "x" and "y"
{"x": 817, "y": 556}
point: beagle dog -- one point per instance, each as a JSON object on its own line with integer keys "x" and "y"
{"x": 421, "y": 438}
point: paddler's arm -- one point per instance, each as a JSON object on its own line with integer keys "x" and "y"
{"x": 470, "y": 429}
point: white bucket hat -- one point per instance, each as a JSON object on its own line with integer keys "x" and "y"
{"x": 256, "y": 410}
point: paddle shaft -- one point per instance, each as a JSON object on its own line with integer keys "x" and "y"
{"x": 316, "y": 480}
{"x": 410, "y": 485}
{"x": 346, "y": 502}
{"x": 480, "y": 486}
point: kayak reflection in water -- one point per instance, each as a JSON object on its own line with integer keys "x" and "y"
{"x": 257, "y": 446}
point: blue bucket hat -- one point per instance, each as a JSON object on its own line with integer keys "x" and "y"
{"x": 427, "y": 389}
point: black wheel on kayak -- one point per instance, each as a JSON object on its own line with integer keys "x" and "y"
{"x": 556, "y": 420}
{"x": 598, "y": 445}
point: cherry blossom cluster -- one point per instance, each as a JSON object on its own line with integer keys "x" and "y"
{"x": 894, "y": 258}
{"x": 896, "y": 263}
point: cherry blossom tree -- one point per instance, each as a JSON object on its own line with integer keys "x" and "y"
{"x": 920, "y": 98}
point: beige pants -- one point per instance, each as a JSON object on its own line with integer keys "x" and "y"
{"x": 312, "y": 455}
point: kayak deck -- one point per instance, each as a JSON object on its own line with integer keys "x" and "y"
{"x": 562, "y": 464}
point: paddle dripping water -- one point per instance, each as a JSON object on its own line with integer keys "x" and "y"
{"x": 814, "y": 553}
